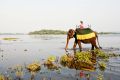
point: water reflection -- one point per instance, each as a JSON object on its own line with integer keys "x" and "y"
{"x": 46, "y": 37}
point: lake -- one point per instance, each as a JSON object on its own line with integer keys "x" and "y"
{"x": 29, "y": 48}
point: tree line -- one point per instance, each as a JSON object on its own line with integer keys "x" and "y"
{"x": 44, "y": 31}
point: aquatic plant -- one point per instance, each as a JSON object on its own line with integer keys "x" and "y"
{"x": 80, "y": 61}
{"x": 101, "y": 54}
{"x": 51, "y": 64}
{"x": 100, "y": 77}
{"x": 34, "y": 67}
{"x": 102, "y": 65}
{"x": 10, "y": 38}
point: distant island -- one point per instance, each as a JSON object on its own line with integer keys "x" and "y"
{"x": 57, "y": 32}
{"x": 51, "y": 32}
{"x": 45, "y": 32}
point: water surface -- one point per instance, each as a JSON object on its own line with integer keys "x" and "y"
{"x": 29, "y": 48}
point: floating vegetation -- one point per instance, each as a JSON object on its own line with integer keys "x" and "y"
{"x": 85, "y": 62}
{"x": 34, "y": 67}
{"x": 102, "y": 65}
{"x": 80, "y": 61}
{"x": 51, "y": 58}
{"x": 100, "y": 77}
{"x": 113, "y": 55}
{"x": 2, "y": 77}
{"x": 18, "y": 71}
{"x": 101, "y": 54}
{"x": 50, "y": 63}
{"x": 10, "y": 39}
{"x": 65, "y": 59}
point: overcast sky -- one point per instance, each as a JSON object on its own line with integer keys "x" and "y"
{"x": 23, "y": 16}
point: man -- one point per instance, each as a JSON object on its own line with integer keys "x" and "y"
{"x": 81, "y": 25}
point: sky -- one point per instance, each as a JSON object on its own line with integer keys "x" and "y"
{"x": 23, "y": 16}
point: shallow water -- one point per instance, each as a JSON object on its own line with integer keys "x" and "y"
{"x": 29, "y": 48}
